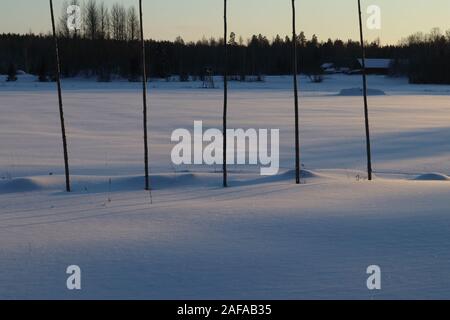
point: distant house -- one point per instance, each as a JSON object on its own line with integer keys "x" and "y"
{"x": 377, "y": 66}
{"x": 373, "y": 66}
{"x": 331, "y": 68}
{"x": 328, "y": 68}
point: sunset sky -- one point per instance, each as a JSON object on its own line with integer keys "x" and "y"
{"x": 193, "y": 19}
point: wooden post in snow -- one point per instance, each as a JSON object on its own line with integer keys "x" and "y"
{"x": 144, "y": 99}
{"x": 366, "y": 108}
{"x": 294, "y": 71}
{"x": 225, "y": 98}
{"x": 61, "y": 111}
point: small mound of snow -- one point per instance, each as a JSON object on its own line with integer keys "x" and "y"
{"x": 289, "y": 175}
{"x": 100, "y": 184}
{"x": 432, "y": 177}
{"x": 304, "y": 174}
{"x": 19, "y": 185}
{"x": 284, "y": 176}
{"x": 354, "y": 92}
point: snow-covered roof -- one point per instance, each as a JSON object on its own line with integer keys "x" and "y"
{"x": 327, "y": 65}
{"x": 377, "y": 63}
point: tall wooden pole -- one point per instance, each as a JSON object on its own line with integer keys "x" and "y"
{"x": 61, "y": 111}
{"x": 294, "y": 71}
{"x": 366, "y": 109}
{"x": 144, "y": 99}
{"x": 225, "y": 98}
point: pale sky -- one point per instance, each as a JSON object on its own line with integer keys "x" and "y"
{"x": 193, "y": 19}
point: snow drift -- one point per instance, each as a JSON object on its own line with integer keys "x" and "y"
{"x": 432, "y": 177}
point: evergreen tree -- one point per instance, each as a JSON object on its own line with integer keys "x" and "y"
{"x": 134, "y": 69}
{"x": 43, "y": 72}
{"x": 12, "y": 73}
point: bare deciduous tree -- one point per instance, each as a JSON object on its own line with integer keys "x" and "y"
{"x": 63, "y": 29}
{"x": 118, "y": 22}
{"x": 91, "y": 20}
{"x": 132, "y": 24}
{"x": 104, "y": 21}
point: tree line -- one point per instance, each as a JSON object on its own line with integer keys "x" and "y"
{"x": 107, "y": 46}
{"x": 429, "y": 57}
{"x": 250, "y": 59}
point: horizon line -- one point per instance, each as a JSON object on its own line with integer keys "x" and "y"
{"x": 247, "y": 39}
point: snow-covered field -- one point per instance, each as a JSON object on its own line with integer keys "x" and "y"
{"x": 262, "y": 238}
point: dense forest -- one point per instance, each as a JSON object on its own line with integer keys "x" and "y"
{"x": 107, "y": 46}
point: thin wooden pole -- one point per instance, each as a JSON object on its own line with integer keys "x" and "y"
{"x": 225, "y": 98}
{"x": 144, "y": 99}
{"x": 366, "y": 108}
{"x": 294, "y": 71}
{"x": 61, "y": 110}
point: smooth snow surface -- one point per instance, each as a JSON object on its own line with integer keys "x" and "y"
{"x": 262, "y": 238}
{"x": 359, "y": 92}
